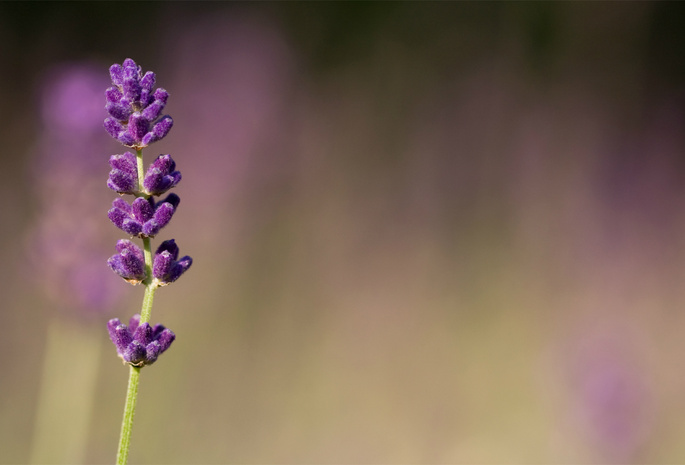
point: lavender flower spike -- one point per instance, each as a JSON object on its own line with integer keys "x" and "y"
{"x": 166, "y": 268}
{"x": 139, "y": 344}
{"x": 136, "y": 120}
{"x": 134, "y": 108}
{"x": 129, "y": 263}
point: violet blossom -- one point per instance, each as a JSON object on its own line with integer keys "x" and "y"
{"x": 139, "y": 344}
{"x": 134, "y": 108}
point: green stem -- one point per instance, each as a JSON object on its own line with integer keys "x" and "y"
{"x": 129, "y": 411}
{"x": 141, "y": 168}
{"x": 150, "y": 288}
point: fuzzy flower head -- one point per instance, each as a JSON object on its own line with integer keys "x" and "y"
{"x": 129, "y": 262}
{"x": 143, "y": 217}
{"x": 166, "y": 267}
{"x": 135, "y": 108}
{"x": 139, "y": 344}
{"x": 161, "y": 176}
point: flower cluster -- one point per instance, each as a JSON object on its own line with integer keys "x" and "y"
{"x": 144, "y": 217}
{"x": 160, "y": 177}
{"x": 135, "y": 108}
{"x": 139, "y": 344}
{"x": 129, "y": 263}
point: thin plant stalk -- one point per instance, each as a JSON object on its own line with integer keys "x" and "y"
{"x": 129, "y": 411}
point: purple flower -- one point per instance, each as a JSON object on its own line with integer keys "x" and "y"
{"x": 129, "y": 263}
{"x": 143, "y": 217}
{"x": 166, "y": 268}
{"x": 139, "y": 344}
{"x": 67, "y": 241}
{"x": 124, "y": 175}
{"x": 161, "y": 176}
{"x": 134, "y": 108}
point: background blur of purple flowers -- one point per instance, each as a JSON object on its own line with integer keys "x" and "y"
{"x": 422, "y": 233}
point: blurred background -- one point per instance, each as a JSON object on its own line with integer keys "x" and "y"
{"x": 421, "y": 232}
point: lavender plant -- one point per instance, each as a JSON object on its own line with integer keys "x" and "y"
{"x": 135, "y": 120}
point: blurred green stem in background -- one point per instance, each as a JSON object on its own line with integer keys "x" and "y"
{"x": 67, "y": 389}
{"x": 146, "y": 310}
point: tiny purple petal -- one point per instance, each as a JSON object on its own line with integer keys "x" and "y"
{"x": 142, "y": 209}
{"x": 162, "y": 128}
{"x": 119, "y": 334}
{"x": 152, "y": 352}
{"x": 138, "y": 126}
{"x": 143, "y": 334}
{"x": 159, "y": 131}
{"x": 135, "y": 354}
{"x": 170, "y": 246}
{"x": 161, "y": 95}
{"x": 157, "y": 330}
{"x": 113, "y": 127}
{"x": 134, "y": 322}
{"x": 132, "y": 89}
{"x": 111, "y": 324}
{"x": 116, "y": 72}
{"x": 178, "y": 269}
{"x": 122, "y": 182}
{"x": 127, "y": 265}
{"x": 133, "y": 264}
{"x": 123, "y": 216}
{"x": 117, "y": 217}
{"x": 125, "y": 244}
{"x": 162, "y": 265}
{"x": 121, "y": 204}
{"x": 131, "y": 83}
{"x": 153, "y": 111}
{"x": 127, "y": 139}
{"x": 125, "y": 162}
{"x": 118, "y": 111}
{"x": 113, "y": 95}
{"x": 131, "y": 69}
{"x": 131, "y": 227}
{"x": 148, "y": 81}
{"x": 164, "y": 163}
{"x": 164, "y": 212}
{"x": 165, "y": 339}
{"x": 172, "y": 199}
{"x": 151, "y": 228}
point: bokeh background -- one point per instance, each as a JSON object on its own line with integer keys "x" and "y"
{"x": 422, "y": 233}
